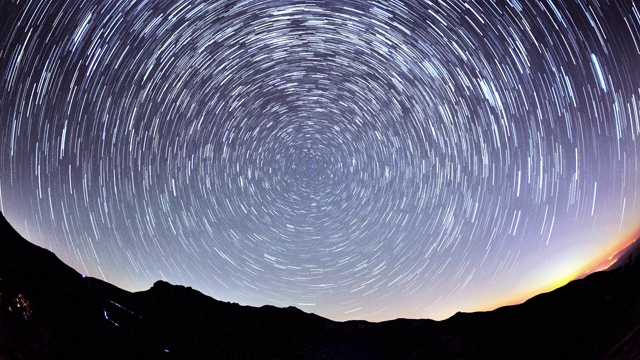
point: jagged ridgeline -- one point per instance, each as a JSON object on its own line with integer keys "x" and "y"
{"x": 50, "y": 311}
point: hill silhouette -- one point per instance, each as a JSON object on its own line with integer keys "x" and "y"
{"x": 50, "y": 311}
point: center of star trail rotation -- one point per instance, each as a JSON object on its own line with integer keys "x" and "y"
{"x": 358, "y": 159}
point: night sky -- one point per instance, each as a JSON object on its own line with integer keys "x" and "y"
{"x": 356, "y": 159}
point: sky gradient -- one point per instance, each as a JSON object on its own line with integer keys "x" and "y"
{"x": 356, "y": 159}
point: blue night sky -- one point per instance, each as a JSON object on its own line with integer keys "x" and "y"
{"x": 356, "y": 159}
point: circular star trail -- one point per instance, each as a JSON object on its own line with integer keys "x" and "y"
{"x": 358, "y": 159}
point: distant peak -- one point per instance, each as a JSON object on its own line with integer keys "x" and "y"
{"x": 161, "y": 283}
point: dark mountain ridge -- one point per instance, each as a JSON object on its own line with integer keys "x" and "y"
{"x": 50, "y": 311}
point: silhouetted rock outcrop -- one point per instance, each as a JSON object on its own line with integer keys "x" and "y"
{"x": 50, "y": 311}
{"x": 628, "y": 256}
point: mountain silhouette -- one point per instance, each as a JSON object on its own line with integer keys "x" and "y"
{"x": 50, "y": 311}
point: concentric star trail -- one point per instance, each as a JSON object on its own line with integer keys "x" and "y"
{"x": 358, "y": 159}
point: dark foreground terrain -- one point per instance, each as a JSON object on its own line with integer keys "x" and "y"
{"x": 50, "y": 311}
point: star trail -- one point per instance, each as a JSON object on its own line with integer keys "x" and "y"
{"x": 356, "y": 159}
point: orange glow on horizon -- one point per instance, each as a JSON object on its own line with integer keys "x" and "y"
{"x": 614, "y": 254}
{"x": 600, "y": 264}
